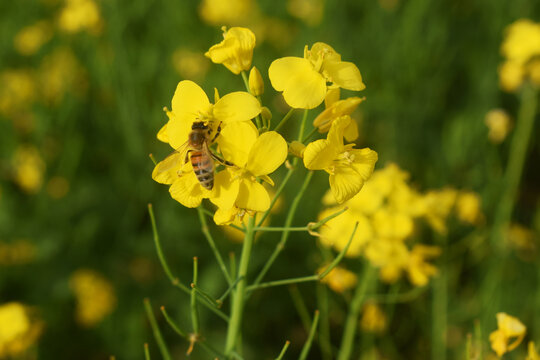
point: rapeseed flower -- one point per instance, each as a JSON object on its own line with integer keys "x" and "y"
{"x": 309, "y": 11}
{"x": 508, "y": 327}
{"x": 95, "y": 296}
{"x": 469, "y": 207}
{"x": 499, "y": 125}
{"x": 30, "y": 39}
{"x": 256, "y": 84}
{"x": 189, "y": 64}
{"x": 17, "y": 92}
{"x": 373, "y": 319}
{"x": 79, "y": 15}
{"x": 18, "y": 329}
{"x": 218, "y": 12}
{"x": 339, "y": 279}
{"x": 532, "y": 353}
{"x": 237, "y": 189}
{"x": 190, "y": 104}
{"x": 28, "y": 169}
{"x": 304, "y": 81}
{"x": 349, "y": 168}
{"x": 18, "y": 252}
{"x": 334, "y": 109}
{"x": 235, "y": 52}
{"x": 438, "y": 206}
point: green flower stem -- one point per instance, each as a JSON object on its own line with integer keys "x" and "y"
{"x": 194, "y": 311}
{"x": 284, "y": 120}
{"x": 283, "y": 350}
{"x": 340, "y": 256}
{"x": 439, "y": 307}
{"x": 351, "y": 323}
{"x": 311, "y": 133}
{"x": 146, "y": 352}
{"x": 235, "y": 322}
{"x": 276, "y": 196}
{"x": 155, "y": 329}
{"x": 233, "y": 285}
{"x": 302, "y": 125}
{"x": 206, "y": 296}
{"x": 172, "y": 324}
{"x": 246, "y": 84}
{"x": 397, "y": 298}
{"x": 514, "y": 169}
{"x": 310, "y": 227}
{"x": 309, "y": 341}
{"x": 285, "y": 234}
{"x": 300, "y": 306}
{"x": 211, "y": 242}
{"x": 152, "y": 158}
{"x": 174, "y": 280}
{"x": 324, "y": 329}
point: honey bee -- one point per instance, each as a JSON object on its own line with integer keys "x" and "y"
{"x": 196, "y": 150}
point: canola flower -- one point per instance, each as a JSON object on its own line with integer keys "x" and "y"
{"x": 189, "y": 64}
{"x": 28, "y": 169}
{"x": 304, "y": 81}
{"x": 499, "y": 125}
{"x": 235, "y": 52}
{"x": 373, "y": 319}
{"x": 31, "y": 38}
{"x": 95, "y": 297}
{"x": 509, "y": 334}
{"x": 18, "y": 90}
{"x": 339, "y": 279}
{"x": 309, "y": 11}
{"x": 18, "y": 252}
{"x": 80, "y": 15}
{"x": 19, "y": 329}
{"x": 217, "y": 12}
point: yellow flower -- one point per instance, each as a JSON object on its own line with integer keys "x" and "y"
{"x": 373, "y": 319}
{"x": 499, "y": 125}
{"x": 390, "y": 255}
{"x": 190, "y": 104}
{"x": 28, "y": 169}
{"x": 30, "y": 39}
{"x": 349, "y": 168}
{"x": 511, "y": 75}
{"x": 334, "y": 109}
{"x": 438, "y": 205}
{"x": 339, "y": 279}
{"x": 392, "y": 224}
{"x": 95, "y": 296}
{"x": 17, "y": 253}
{"x": 256, "y": 84}
{"x": 419, "y": 271}
{"x": 235, "y": 51}
{"x": 507, "y": 327}
{"x": 532, "y": 353}
{"x": 469, "y": 207}
{"x": 303, "y": 81}
{"x": 17, "y": 92}
{"x": 309, "y": 11}
{"x": 18, "y": 329}
{"x": 190, "y": 64}
{"x": 57, "y": 187}
{"x": 78, "y": 15}
{"x": 533, "y": 69}
{"x": 218, "y": 12}
{"x": 237, "y": 189}
{"x": 522, "y": 41}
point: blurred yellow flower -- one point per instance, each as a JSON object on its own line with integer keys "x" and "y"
{"x": 499, "y": 125}
{"x": 419, "y": 271}
{"x": 532, "y": 353}
{"x": 373, "y": 319}
{"x": 511, "y": 75}
{"x": 235, "y": 51}
{"x": 339, "y": 279}
{"x": 18, "y": 252}
{"x": 28, "y": 169}
{"x": 533, "y": 68}
{"x": 256, "y": 84}
{"x": 79, "y": 15}
{"x": 94, "y": 294}
{"x": 508, "y": 327}
{"x": 334, "y": 109}
{"x": 521, "y": 237}
{"x": 31, "y": 38}
{"x": 18, "y": 329}
{"x": 190, "y": 64}
{"x": 438, "y": 205}
{"x": 17, "y": 92}
{"x": 392, "y": 224}
{"x": 57, "y": 187}
{"x": 303, "y": 81}
{"x": 232, "y": 12}
{"x": 309, "y": 11}
{"x": 254, "y": 157}
{"x": 469, "y": 207}
{"x": 349, "y": 168}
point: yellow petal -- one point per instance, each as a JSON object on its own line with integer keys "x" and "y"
{"x": 332, "y": 96}
{"x": 187, "y": 190}
{"x": 344, "y": 74}
{"x": 345, "y": 183}
{"x": 351, "y": 131}
{"x": 267, "y": 179}
{"x": 225, "y": 190}
{"x": 302, "y": 86}
{"x": 225, "y": 216}
{"x": 267, "y": 154}
{"x": 252, "y": 196}
{"x": 236, "y": 140}
{"x": 162, "y": 134}
{"x": 166, "y": 171}
{"x": 178, "y": 132}
{"x": 235, "y": 51}
{"x": 319, "y": 154}
{"x": 189, "y": 99}
{"x": 237, "y": 106}
{"x": 364, "y": 161}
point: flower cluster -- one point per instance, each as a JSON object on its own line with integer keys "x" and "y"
{"x": 508, "y": 328}
{"x": 236, "y": 151}
{"x": 521, "y": 49}
{"x": 19, "y": 329}
{"x": 386, "y": 210}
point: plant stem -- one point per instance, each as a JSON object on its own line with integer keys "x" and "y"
{"x": 284, "y": 120}
{"x": 146, "y": 352}
{"x": 324, "y": 330}
{"x": 308, "y": 136}
{"x": 194, "y": 311}
{"x": 309, "y": 341}
{"x": 155, "y": 329}
{"x": 351, "y": 322}
{"x": 211, "y": 242}
{"x": 300, "y": 306}
{"x": 246, "y": 84}
{"x": 283, "y": 350}
{"x": 440, "y": 308}
{"x": 235, "y": 321}
{"x": 276, "y": 196}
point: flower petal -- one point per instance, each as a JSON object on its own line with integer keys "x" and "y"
{"x": 345, "y": 183}
{"x": 252, "y": 196}
{"x": 225, "y": 216}
{"x": 302, "y": 86}
{"x": 225, "y": 190}
{"x": 267, "y": 154}
{"x": 236, "y": 140}
{"x": 166, "y": 171}
{"x": 344, "y": 74}
{"x": 189, "y": 98}
{"x": 162, "y": 134}
{"x": 319, "y": 154}
{"x": 237, "y": 106}
{"x": 187, "y": 190}
{"x": 364, "y": 161}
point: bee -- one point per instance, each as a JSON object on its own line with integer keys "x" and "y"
{"x": 197, "y": 151}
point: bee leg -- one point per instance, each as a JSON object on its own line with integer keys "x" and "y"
{"x": 218, "y": 130}
{"x": 220, "y": 160}
{"x": 187, "y": 156}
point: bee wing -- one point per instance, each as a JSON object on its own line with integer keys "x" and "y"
{"x": 166, "y": 171}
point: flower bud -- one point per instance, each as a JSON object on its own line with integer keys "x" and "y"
{"x": 256, "y": 84}
{"x": 296, "y": 148}
{"x": 266, "y": 113}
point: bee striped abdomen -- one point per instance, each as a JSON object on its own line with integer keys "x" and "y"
{"x": 203, "y": 166}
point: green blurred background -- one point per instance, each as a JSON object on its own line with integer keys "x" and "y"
{"x": 88, "y": 125}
